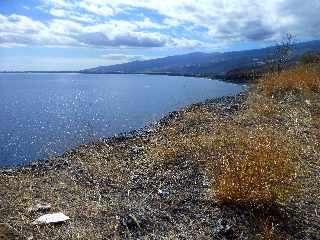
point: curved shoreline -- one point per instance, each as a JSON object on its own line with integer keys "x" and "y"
{"x": 225, "y": 104}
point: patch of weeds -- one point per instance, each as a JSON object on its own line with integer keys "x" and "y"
{"x": 253, "y": 168}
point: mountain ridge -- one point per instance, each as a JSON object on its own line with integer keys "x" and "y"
{"x": 198, "y": 63}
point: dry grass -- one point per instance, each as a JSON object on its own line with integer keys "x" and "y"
{"x": 249, "y": 165}
{"x": 303, "y": 79}
{"x": 254, "y": 167}
{"x": 261, "y": 108}
{"x": 248, "y": 168}
{"x": 192, "y": 147}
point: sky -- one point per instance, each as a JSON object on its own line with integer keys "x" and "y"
{"x": 79, "y": 34}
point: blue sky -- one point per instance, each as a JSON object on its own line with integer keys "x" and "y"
{"x": 78, "y": 34}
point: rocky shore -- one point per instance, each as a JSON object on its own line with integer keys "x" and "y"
{"x": 119, "y": 189}
{"x": 222, "y": 105}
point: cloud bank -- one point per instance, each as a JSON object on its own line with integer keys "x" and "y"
{"x": 160, "y": 23}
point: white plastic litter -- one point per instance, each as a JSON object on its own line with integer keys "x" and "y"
{"x": 51, "y": 218}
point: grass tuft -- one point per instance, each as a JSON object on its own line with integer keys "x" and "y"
{"x": 254, "y": 168}
{"x": 247, "y": 167}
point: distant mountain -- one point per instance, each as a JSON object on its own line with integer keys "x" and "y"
{"x": 199, "y": 63}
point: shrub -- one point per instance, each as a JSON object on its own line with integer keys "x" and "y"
{"x": 303, "y": 79}
{"x": 253, "y": 168}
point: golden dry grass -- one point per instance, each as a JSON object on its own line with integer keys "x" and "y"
{"x": 253, "y": 168}
{"x": 263, "y": 107}
{"x": 248, "y": 168}
{"x": 303, "y": 79}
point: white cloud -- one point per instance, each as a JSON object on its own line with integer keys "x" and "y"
{"x": 59, "y": 3}
{"x": 162, "y": 23}
{"x": 20, "y": 24}
{"x": 126, "y": 39}
{"x": 121, "y": 58}
{"x": 59, "y": 12}
{"x": 72, "y": 15}
{"x": 172, "y": 22}
{"x": 114, "y": 33}
{"x": 17, "y": 29}
{"x": 147, "y": 23}
{"x": 65, "y": 27}
{"x": 96, "y": 8}
{"x": 228, "y": 19}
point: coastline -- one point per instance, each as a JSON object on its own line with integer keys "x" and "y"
{"x": 148, "y": 184}
{"x": 225, "y": 78}
{"x": 226, "y": 102}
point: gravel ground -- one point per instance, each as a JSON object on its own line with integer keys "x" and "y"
{"x": 114, "y": 189}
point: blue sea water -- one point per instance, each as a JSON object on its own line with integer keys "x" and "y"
{"x": 46, "y": 114}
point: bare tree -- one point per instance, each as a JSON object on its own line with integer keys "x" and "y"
{"x": 284, "y": 51}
